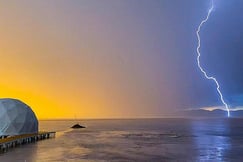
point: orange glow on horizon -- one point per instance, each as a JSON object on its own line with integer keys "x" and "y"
{"x": 85, "y": 59}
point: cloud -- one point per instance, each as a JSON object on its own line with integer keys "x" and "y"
{"x": 236, "y": 100}
{"x": 222, "y": 108}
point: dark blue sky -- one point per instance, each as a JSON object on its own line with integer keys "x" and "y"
{"x": 222, "y": 49}
{"x": 221, "y": 40}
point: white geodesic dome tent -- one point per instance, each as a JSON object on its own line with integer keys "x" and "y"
{"x": 16, "y": 118}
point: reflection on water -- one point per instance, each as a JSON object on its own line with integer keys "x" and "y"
{"x": 212, "y": 139}
{"x": 136, "y": 140}
{"x": 25, "y": 153}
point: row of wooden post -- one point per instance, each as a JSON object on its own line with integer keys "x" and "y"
{"x": 21, "y": 141}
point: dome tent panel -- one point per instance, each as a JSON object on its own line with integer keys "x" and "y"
{"x": 16, "y": 118}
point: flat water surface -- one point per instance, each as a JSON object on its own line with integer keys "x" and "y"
{"x": 136, "y": 140}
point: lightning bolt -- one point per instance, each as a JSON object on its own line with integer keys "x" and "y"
{"x": 199, "y": 64}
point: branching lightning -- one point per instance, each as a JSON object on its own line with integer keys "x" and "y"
{"x": 199, "y": 55}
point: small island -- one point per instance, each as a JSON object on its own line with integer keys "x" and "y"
{"x": 77, "y": 126}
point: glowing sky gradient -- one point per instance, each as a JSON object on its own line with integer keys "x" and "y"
{"x": 111, "y": 59}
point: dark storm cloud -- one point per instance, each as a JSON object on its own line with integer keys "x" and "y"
{"x": 223, "y": 48}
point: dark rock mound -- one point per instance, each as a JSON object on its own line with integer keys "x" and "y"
{"x": 77, "y": 126}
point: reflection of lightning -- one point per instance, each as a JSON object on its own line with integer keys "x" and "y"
{"x": 199, "y": 64}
